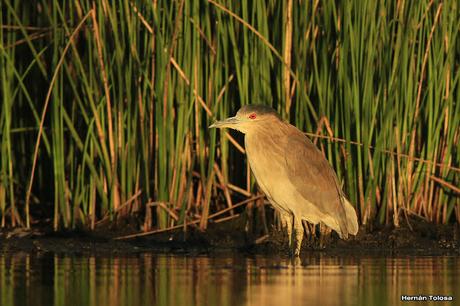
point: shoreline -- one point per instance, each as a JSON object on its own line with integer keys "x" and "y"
{"x": 419, "y": 239}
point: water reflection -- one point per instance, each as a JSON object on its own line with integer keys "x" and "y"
{"x": 151, "y": 279}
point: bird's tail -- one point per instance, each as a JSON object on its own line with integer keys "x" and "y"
{"x": 351, "y": 218}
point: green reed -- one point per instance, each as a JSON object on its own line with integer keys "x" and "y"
{"x": 106, "y": 104}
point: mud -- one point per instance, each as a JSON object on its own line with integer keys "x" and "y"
{"x": 412, "y": 237}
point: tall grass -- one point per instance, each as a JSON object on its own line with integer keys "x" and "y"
{"x": 105, "y": 105}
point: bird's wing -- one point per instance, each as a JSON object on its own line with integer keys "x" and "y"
{"x": 312, "y": 175}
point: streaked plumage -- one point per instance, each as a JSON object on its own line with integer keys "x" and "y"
{"x": 296, "y": 178}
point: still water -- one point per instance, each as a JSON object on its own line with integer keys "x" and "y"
{"x": 160, "y": 280}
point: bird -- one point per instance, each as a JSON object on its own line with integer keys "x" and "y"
{"x": 296, "y": 178}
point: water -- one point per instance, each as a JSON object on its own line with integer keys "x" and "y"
{"x": 152, "y": 279}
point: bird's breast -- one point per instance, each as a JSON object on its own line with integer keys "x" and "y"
{"x": 266, "y": 159}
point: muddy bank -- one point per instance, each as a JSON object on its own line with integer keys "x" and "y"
{"x": 416, "y": 238}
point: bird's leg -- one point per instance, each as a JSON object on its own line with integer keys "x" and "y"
{"x": 298, "y": 230}
{"x": 325, "y": 235}
{"x": 286, "y": 222}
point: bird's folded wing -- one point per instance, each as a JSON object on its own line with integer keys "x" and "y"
{"x": 312, "y": 176}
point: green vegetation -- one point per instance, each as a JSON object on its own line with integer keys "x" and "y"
{"x": 105, "y": 104}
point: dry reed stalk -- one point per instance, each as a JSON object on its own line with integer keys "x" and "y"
{"x": 287, "y": 57}
{"x": 188, "y": 223}
{"x": 207, "y": 201}
{"x": 418, "y": 99}
{"x": 221, "y": 179}
{"x": 42, "y": 121}
{"x": 113, "y": 157}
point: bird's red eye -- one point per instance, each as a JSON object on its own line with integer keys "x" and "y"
{"x": 252, "y": 116}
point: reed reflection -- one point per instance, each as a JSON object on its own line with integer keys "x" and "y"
{"x": 151, "y": 279}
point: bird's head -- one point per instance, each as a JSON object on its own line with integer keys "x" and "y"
{"x": 248, "y": 118}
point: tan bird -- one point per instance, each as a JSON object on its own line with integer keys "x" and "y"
{"x": 296, "y": 178}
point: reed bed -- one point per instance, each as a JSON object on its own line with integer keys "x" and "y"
{"x": 105, "y": 105}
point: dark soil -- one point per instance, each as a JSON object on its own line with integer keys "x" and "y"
{"x": 412, "y": 237}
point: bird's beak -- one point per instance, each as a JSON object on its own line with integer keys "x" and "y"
{"x": 229, "y": 122}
